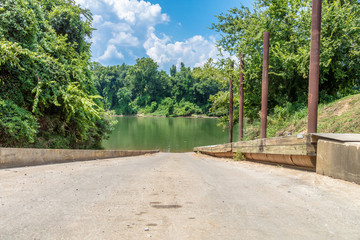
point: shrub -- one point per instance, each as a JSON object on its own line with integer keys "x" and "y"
{"x": 184, "y": 108}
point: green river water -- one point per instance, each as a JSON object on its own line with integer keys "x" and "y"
{"x": 165, "y": 134}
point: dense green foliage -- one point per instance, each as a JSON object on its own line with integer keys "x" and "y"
{"x": 289, "y": 24}
{"x": 47, "y": 98}
{"x": 143, "y": 89}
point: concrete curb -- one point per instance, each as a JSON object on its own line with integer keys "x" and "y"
{"x": 21, "y": 157}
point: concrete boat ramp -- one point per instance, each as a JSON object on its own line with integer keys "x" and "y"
{"x": 175, "y": 196}
{"x": 184, "y": 195}
{"x": 334, "y": 155}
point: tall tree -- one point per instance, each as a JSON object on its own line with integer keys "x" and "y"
{"x": 146, "y": 82}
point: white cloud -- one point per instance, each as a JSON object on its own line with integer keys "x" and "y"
{"x": 124, "y": 39}
{"x": 122, "y": 27}
{"x": 91, "y": 4}
{"x": 97, "y": 19}
{"x": 126, "y": 30}
{"x": 115, "y": 27}
{"x": 111, "y": 52}
{"x": 194, "y": 51}
{"x": 135, "y": 12}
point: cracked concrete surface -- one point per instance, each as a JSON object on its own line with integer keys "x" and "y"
{"x": 175, "y": 196}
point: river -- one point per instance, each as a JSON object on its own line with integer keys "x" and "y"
{"x": 165, "y": 134}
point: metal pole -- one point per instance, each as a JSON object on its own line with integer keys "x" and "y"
{"x": 265, "y": 85}
{"x": 231, "y": 102}
{"x": 314, "y": 66}
{"x": 241, "y": 98}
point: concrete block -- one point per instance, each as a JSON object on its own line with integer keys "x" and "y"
{"x": 339, "y": 160}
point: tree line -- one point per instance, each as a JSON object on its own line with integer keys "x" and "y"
{"x": 144, "y": 89}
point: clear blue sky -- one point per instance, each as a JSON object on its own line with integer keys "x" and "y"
{"x": 168, "y": 31}
{"x": 195, "y": 16}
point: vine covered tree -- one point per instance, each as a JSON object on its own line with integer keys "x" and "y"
{"x": 47, "y": 97}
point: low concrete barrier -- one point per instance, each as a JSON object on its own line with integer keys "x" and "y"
{"x": 295, "y": 151}
{"x": 221, "y": 150}
{"x": 339, "y": 160}
{"x": 21, "y": 157}
{"x": 335, "y": 155}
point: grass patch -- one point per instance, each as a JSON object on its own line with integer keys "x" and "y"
{"x": 341, "y": 116}
{"x": 238, "y": 156}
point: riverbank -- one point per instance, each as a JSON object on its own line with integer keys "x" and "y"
{"x": 340, "y": 116}
{"x": 159, "y": 116}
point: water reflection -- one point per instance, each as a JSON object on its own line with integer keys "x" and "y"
{"x": 165, "y": 134}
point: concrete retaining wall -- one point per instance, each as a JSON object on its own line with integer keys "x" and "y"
{"x": 295, "y": 151}
{"x": 335, "y": 155}
{"x": 20, "y": 157}
{"x": 339, "y": 160}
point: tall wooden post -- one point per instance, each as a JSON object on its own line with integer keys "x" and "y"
{"x": 265, "y": 85}
{"x": 231, "y": 102}
{"x": 241, "y": 98}
{"x": 314, "y": 66}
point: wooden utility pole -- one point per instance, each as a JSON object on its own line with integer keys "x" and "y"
{"x": 231, "y": 102}
{"x": 265, "y": 85}
{"x": 314, "y": 66}
{"x": 241, "y": 97}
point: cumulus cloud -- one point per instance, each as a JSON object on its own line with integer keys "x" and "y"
{"x": 97, "y": 19}
{"x": 194, "y": 51}
{"x": 135, "y": 12}
{"x": 126, "y": 30}
{"x": 110, "y": 53}
{"x": 115, "y": 27}
{"x": 91, "y": 4}
{"x": 124, "y": 39}
{"x": 121, "y": 27}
